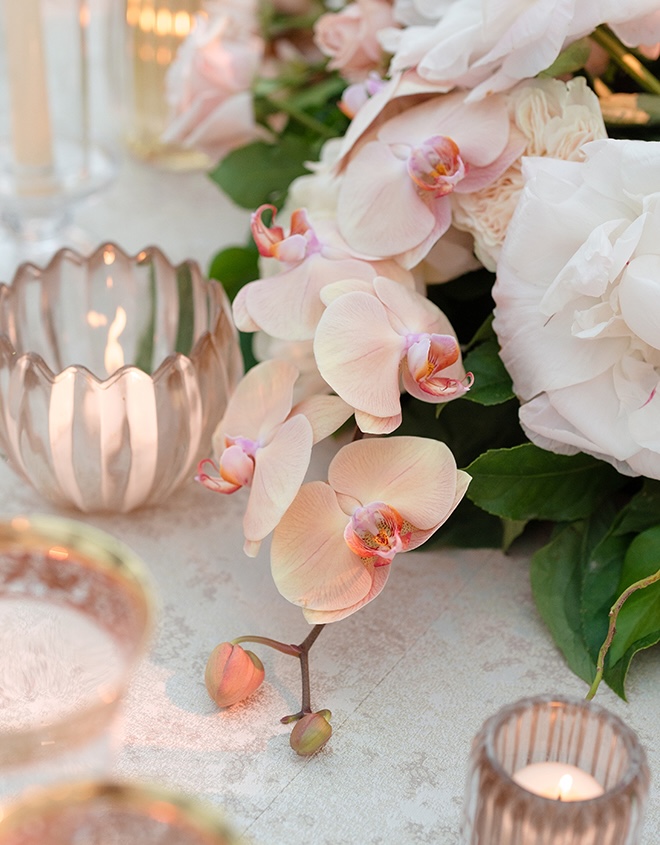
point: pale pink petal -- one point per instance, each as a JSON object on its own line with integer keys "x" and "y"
{"x": 419, "y": 537}
{"x": 311, "y": 564}
{"x": 414, "y": 475}
{"x": 288, "y": 305}
{"x": 236, "y": 467}
{"x": 325, "y": 414}
{"x": 242, "y": 319}
{"x": 358, "y": 354}
{"x": 379, "y": 210}
{"x": 479, "y": 177}
{"x": 214, "y": 482}
{"x": 377, "y": 425}
{"x": 380, "y": 575}
{"x": 279, "y": 471}
{"x": 262, "y": 400}
{"x": 336, "y": 289}
{"x": 409, "y": 311}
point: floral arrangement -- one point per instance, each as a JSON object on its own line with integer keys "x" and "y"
{"x": 454, "y": 241}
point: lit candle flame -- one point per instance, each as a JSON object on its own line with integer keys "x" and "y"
{"x": 565, "y": 785}
{"x": 114, "y": 354}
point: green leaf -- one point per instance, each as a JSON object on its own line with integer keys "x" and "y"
{"x": 526, "y": 482}
{"x": 467, "y": 428}
{"x": 261, "y": 173}
{"x": 569, "y": 60}
{"x": 492, "y": 383}
{"x": 468, "y": 528}
{"x": 556, "y": 576}
{"x": 599, "y": 589}
{"x": 234, "y": 267}
{"x": 639, "y": 619}
{"x": 642, "y": 512}
{"x": 511, "y": 530}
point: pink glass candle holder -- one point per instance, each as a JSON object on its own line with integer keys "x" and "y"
{"x": 112, "y": 814}
{"x": 114, "y": 372}
{"x": 585, "y": 775}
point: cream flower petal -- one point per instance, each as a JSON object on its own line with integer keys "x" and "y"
{"x": 288, "y": 305}
{"x": 379, "y": 210}
{"x": 262, "y": 400}
{"x": 377, "y": 425}
{"x": 311, "y": 564}
{"x": 323, "y": 617}
{"x": 417, "y": 538}
{"x": 358, "y": 354}
{"x": 414, "y": 475}
{"x": 325, "y": 414}
{"x": 279, "y": 471}
{"x": 410, "y": 312}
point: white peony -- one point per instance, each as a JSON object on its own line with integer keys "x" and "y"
{"x": 556, "y": 118}
{"x": 578, "y": 304}
{"x": 490, "y": 45}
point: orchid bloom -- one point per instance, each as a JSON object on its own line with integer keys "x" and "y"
{"x": 264, "y": 443}
{"x": 332, "y": 551}
{"x": 288, "y": 305}
{"x": 370, "y": 336}
{"x": 395, "y": 197}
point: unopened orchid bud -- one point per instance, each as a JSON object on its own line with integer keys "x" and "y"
{"x": 232, "y": 674}
{"x": 311, "y": 733}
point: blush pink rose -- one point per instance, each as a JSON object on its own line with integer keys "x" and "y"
{"x": 349, "y": 37}
{"x": 208, "y": 87}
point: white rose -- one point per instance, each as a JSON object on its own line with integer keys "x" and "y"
{"x": 556, "y": 119}
{"x": 578, "y": 304}
{"x": 490, "y": 45}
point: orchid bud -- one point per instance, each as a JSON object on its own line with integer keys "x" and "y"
{"x": 311, "y": 733}
{"x": 232, "y": 674}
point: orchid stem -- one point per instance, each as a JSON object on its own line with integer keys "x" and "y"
{"x": 611, "y": 631}
{"x": 628, "y": 63}
{"x": 285, "y": 648}
{"x": 303, "y": 656}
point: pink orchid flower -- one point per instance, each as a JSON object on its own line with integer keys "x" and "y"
{"x": 288, "y": 305}
{"x": 395, "y": 196}
{"x": 371, "y": 337}
{"x": 332, "y": 551}
{"x": 264, "y": 443}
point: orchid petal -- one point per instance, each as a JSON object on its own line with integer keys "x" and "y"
{"x": 336, "y": 289}
{"x": 414, "y": 475}
{"x": 323, "y": 617}
{"x": 358, "y": 354}
{"x": 236, "y": 467}
{"x": 265, "y": 237}
{"x": 279, "y": 471}
{"x": 242, "y": 319}
{"x": 262, "y": 400}
{"x": 288, "y": 305}
{"x": 311, "y": 564}
{"x": 214, "y": 483}
{"x": 325, "y": 414}
{"x": 377, "y": 179}
{"x": 417, "y": 537}
{"x": 370, "y": 424}
{"x": 409, "y": 311}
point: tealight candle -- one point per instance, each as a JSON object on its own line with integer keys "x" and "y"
{"x": 555, "y": 770}
{"x": 558, "y": 780}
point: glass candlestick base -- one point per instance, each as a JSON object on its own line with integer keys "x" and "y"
{"x": 585, "y": 775}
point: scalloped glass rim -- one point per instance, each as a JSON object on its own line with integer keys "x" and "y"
{"x": 168, "y": 363}
{"x": 131, "y": 437}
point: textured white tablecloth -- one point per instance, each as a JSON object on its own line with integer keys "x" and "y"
{"x": 409, "y": 679}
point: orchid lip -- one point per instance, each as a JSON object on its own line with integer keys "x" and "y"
{"x": 376, "y": 531}
{"x": 436, "y": 166}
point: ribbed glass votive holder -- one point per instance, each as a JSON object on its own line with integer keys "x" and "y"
{"x": 570, "y": 740}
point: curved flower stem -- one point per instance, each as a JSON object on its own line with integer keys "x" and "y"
{"x": 303, "y": 655}
{"x": 285, "y": 648}
{"x": 628, "y": 63}
{"x": 611, "y": 631}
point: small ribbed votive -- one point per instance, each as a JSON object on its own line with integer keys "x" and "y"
{"x": 585, "y": 774}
